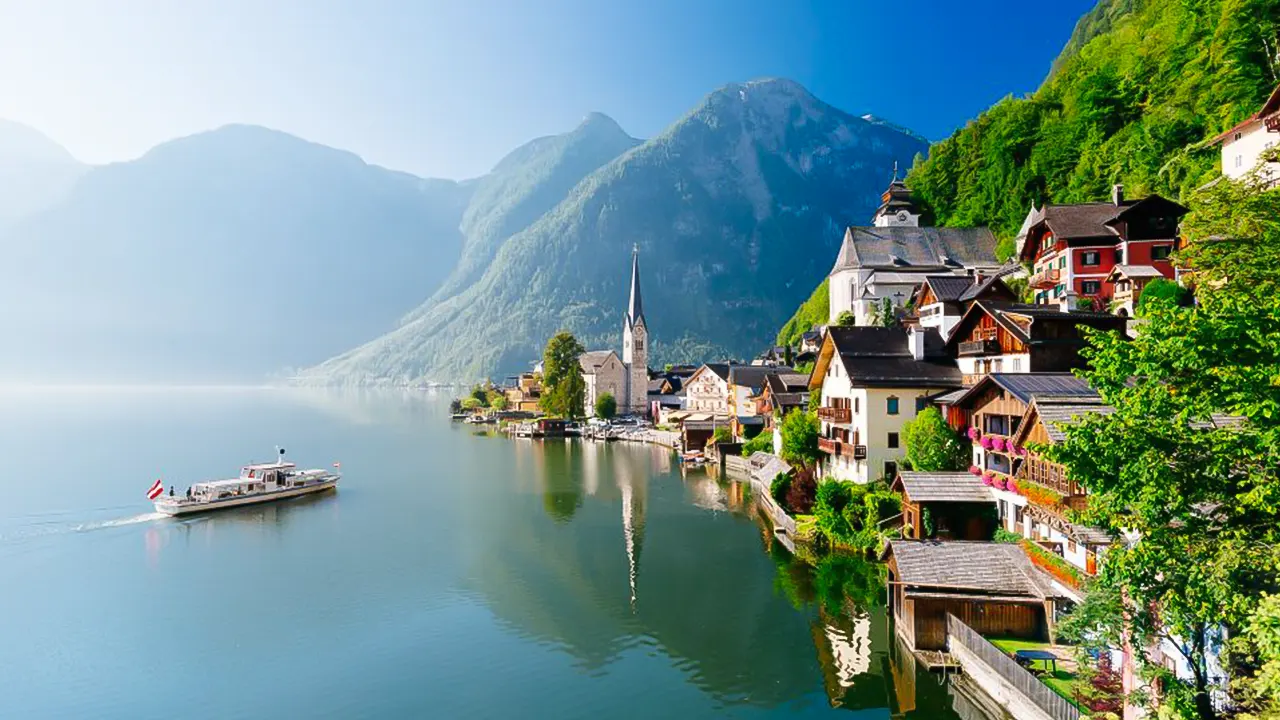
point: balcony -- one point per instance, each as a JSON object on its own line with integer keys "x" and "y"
{"x": 842, "y": 449}
{"x": 1045, "y": 279}
{"x": 835, "y": 414}
{"x": 979, "y": 347}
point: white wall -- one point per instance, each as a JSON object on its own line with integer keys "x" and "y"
{"x": 1239, "y": 156}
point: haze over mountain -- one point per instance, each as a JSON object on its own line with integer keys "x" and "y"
{"x": 226, "y": 255}
{"x": 35, "y": 172}
{"x": 737, "y": 210}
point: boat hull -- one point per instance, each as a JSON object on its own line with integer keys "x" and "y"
{"x": 191, "y": 508}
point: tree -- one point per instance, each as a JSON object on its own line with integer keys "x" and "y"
{"x": 760, "y": 443}
{"x": 564, "y": 390}
{"x": 721, "y": 435}
{"x": 606, "y": 406}
{"x": 931, "y": 445}
{"x": 1005, "y": 249}
{"x": 846, "y": 319}
{"x": 800, "y": 438}
{"x": 885, "y": 314}
{"x": 1166, "y": 290}
{"x": 480, "y": 394}
{"x": 498, "y": 401}
{"x": 1202, "y": 492}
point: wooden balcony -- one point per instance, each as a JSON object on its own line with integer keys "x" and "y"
{"x": 1045, "y": 279}
{"x": 842, "y": 449}
{"x": 835, "y": 414}
{"x": 1049, "y": 475}
{"x": 979, "y": 347}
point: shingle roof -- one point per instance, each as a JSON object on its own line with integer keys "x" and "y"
{"x": 1056, "y": 413}
{"x": 1082, "y": 220}
{"x": 944, "y": 487}
{"x": 977, "y": 289}
{"x": 720, "y": 369}
{"x": 916, "y": 247}
{"x": 753, "y": 375}
{"x": 593, "y": 359}
{"x": 949, "y": 398}
{"x": 875, "y": 356}
{"x": 1018, "y": 319}
{"x": 981, "y": 567}
{"x": 785, "y": 382}
{"x": 949, "y": 288}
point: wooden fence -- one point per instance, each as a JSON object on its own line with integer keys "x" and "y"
{"x": 1027, "y": 684}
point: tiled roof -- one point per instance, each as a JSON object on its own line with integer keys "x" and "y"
{"x": 875, "y": 356}
{"x": 981, "y": 567}
{"x": 1082, "y": 220}
{"x": 784, "y": 382}
{"x": 949, "y": 398}
{"x": 1056, "y": 413}
{"x": 916, "y": 247}
{"x": 753, "y": 375}
{"x": 944, "y": 487}
{"x": 593, "y": 359}
{"x": 720, "y": 369}
{"x": 1028, "y": 386}
{"x": 977, "y": 289}
{"x": 1136, "y": 271}
{"x": 949, "y": 288}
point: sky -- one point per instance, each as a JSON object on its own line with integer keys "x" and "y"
{"x": 445, "y": 89}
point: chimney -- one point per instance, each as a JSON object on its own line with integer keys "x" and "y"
{"x": 915, "y": 342}
{"x": 978, "y": 276}
{"x": 1067, "y": 302}
{"x": 1117, "y": 194}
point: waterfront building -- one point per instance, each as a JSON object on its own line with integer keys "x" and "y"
{"x": 945, "y": 506}
{"x": 745, "y": 383}
{"x": 872, "y": 381}
{"x": 707, "y": 390}
{"x": 524, "y": 395}
{"x": 1073, "y": 248}
{"x": 604, "y": 373}
{"x": 1243, "y": 145}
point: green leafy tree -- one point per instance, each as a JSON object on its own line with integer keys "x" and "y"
{"x": 1201, "y": 491}
{"x": 606, "y": 406}
{"x": 931, "y": 445}
{"x": 480, "y": 394}
{"x": 498, "y": 401}
{"x": 800, "y": 438}
{"x": 1166, "y": 290}
{"x": 721, "y": 434}
{"x": 760, "y": 443}
{"x": 846, "y": 318}
{"x": 885, "y": 314}
{"x": 564, "y": 390}
{"x": 812, "y": 312}
{"x": 1005, "y": 249}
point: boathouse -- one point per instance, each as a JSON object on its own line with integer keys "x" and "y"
{"x": 946, "y": 505}
{"x": 992, "y": 587}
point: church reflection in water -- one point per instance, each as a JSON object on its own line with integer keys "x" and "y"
{"x": 625, "y": 559}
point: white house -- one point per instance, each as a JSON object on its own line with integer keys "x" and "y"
{"x": 1243, "y": 144}
{"x": 873, "y": 380}
{"x": 707, "y": 390}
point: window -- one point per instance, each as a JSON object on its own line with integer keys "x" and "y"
{"x": 1090, "y": 287}
{"x": 1062, "y": 262}
{"x": 1237, "y": 137}
{"x": 890, "y": 469}
{"x": 1239, "y": 161}
{"x": 856, "y": 403}
{"x": 891, "y": 406}
{"x": 1017, "y": 364}
{"x": 921, "y": 404}
{"x": 1120, "y": 256}
{"x": 1161, "y": 252}
{"x": 1091, "y": 257}
{"x": 1017, "y": 513}
{"x": 1071, "y": 545}
{"x": 998, "y": 365}
{"x": 893, "y": 440}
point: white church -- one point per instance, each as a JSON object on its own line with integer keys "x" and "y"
{"x": 626, "y": 378}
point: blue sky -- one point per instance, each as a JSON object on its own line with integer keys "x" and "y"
{"x": 446, "y": 88}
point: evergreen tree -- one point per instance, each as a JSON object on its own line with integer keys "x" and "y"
{"x": 564, "y": 390}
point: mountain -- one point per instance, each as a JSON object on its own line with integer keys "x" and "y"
{"x": 226, "y": 255}
{"x": 737, "y": 210}
{"x": 525, "y": 185}
{"x": 1136, "y": 95}
{"x": 35, "y": 172}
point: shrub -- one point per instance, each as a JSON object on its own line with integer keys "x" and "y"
{"x": 1007, "y": 536}
{"x": 800, "y": 438}
{"x": 1163, "y": 290}
{"x": 931, "y": 445}
{"x": 832, "y": 499}
{"x": 760, "y": 443}
{"x": 721, "y": 435}
{"x": 779, "y": 488}
{"x": 801, "y": 493}
{"x": 606, "y": 406}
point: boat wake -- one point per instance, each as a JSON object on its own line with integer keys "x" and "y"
{"x": 120, "y": 522}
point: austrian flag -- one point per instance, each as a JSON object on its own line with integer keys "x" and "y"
{"x": 156, "y": 490}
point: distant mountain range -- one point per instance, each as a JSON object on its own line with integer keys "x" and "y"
{"x": 243, "y": 253}
{"x": 737, "y": 210}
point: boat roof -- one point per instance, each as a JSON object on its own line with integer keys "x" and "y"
{"x": 270, "y": 466}
{"x": 227, "y": 483}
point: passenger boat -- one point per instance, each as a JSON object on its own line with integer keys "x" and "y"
{"x": 265, "y": 482}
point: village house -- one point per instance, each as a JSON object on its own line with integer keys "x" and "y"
{"x": 1073, "y": 248}
{"x": 1243, "y": 145}
{"x": 1004, "y": 415}
{"x": 999, "y": 337}
{"x": 941, "y": 300}
{"x": 604, "y": 373}
{"x": 745, "y": 383}
{"x": 945, "y": 506}
{"x": 524, "y": 395}
{"x": 707, "y": 390}
{"x": 890, "y": 258}
{"x": 991, "y": 587}
{"x": 872, "y": 381}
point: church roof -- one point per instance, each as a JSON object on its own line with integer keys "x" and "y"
{"x": 593, "y": 359}
{"x": 635, "y": 307}
{"x": 915, "y": 249}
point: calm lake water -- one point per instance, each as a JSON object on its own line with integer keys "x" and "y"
{"x": 452, "y": 575}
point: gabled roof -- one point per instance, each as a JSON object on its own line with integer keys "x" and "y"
{"x": 785, "y": 382}
{"x": 593, "y": 359}
{"x": 921, "y": 248}
{"x": 948, "y": 288}
{"x": 981, "y": 568}
{"x": 1134, "y": 271}
{"x": 1090, "y": 220}
{"x": 994, "y": 282}
{"x": 932, "y": 487}
{"x": 720, "y": 370}
{"x": 1027, "y": 386}
{"x": 881, "y": 357}
{"x": 753, "y": 376}
{"x": 1018, "y": 319}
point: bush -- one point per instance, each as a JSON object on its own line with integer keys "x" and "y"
{"x": 1162, "y": 289}
{"x": 800, "y": 438}
{"x": 779, "y": 488}
{"x": 760, "y": 443}
{"x": 846, "y": 319}
{"x": 931, "y": 445}
{"x": 801, "y": 494}
{"x": 829, "y": 506}
{"x": 606, "y": 406}
{"x": 852, "y": 515}
{"x": 721, "y": 435}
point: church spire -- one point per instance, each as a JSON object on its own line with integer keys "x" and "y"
{"x": 635, "y": 308}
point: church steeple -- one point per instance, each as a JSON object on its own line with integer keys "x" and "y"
{"x": 635, "y": 308}
{"x": 896, "y": 207}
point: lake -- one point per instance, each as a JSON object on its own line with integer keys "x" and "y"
{"x": 453, "y": 574}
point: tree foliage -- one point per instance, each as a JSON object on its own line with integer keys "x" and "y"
{"x": 760, "y": 443}
{"x": 811, "y": 313}
{"x": 1131, "y": 100}
{"x": 606, "y": 406}
{"x": 1188, "y": 458}
{"x": 931, "y": 445}
{"x": 851, "y": 515}
{"x": 564, "y": 390}
{"x": 846, "y": 318}
{"x": 800, "y": 438}
{"x": 1166, "y": 290}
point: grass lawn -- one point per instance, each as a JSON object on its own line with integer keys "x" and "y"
{"x": 806, "y": 527}
{"x": 1060, "y": 681}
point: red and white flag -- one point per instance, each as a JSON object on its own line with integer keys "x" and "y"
{"x": 156, "y": 490}
{"x": 337, "y": 465}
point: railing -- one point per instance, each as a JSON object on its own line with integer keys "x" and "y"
{"x": 979, "y": 347}
{"x": 1028, "y": 685}
{"x": 843, "y": 449}
{"x": 835, "y": 414}
{"x": 1045, "y": 279}
{"x": 1050, "y": 475}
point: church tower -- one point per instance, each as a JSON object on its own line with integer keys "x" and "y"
{"x": 635, "y": 346}
{"x": 896, "y": 207}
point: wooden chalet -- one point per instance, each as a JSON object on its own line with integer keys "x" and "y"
{"x": 946, "y": 506}
{"x": 941, "y": 300}
{"x": 995, "y": 337}
{"x": 992, "y": 587}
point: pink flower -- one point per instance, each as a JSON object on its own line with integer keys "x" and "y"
{"x": 997, "y": 443}
{"x": 999, "y": 483}
{"x": 974, "y": 433}
{"x": 1011, "y": 485}
{"x": 988, "y": 479}
{"x": 974, "y": 469}
{"x": 986, "y": 442}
